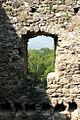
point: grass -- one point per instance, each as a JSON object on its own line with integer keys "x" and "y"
{"x": 53, "y": 9}
{"x": 67, "y": 17}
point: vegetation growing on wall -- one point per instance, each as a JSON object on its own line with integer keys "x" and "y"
{"x": 41, "y": 62}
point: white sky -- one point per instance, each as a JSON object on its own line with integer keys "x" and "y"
{"x": 41, "y": 42}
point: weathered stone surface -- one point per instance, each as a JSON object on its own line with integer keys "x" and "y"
{"x": 21, "y": 20}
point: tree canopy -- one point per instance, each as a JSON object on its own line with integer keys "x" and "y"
{"x": 40, "y": 63}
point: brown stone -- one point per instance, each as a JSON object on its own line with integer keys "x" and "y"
{"x": 60, "y": 67}
{"x": 65, "y": 80}
{"x": 70, "y": 29}
{"x": 71, "y": 73}
{"x": 60, "y": 74}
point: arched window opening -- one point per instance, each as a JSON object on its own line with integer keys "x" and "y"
{"x": 39, "y": 56}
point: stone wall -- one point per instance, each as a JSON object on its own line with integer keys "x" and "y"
{"x": 19, "y": 21}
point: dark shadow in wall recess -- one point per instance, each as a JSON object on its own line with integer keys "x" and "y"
{"x": 59, "y": 108}
{"x": 76, "y": 10}
{"x": 5, "y": 107}
{"x": 33, "y": 9}
{"x": 30, "y": 107}
{"x": 18, "y": 107}
{"x": 79, "y": 66}
{"x": 72, "y": 106}
{"x": 46, "y": 106}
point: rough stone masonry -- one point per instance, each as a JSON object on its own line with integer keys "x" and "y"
{"x": 21, "y": 20}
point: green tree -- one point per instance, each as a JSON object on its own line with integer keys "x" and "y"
{"x": 41, "y": 62}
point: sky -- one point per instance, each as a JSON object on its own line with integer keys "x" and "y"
{"x": 41, "y": 42}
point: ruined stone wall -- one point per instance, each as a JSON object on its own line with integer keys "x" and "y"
{"x": 19, "y": 21}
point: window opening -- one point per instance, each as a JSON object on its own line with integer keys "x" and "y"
{"x": 41, "y": 58}
{"x": 43, "y": 54}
